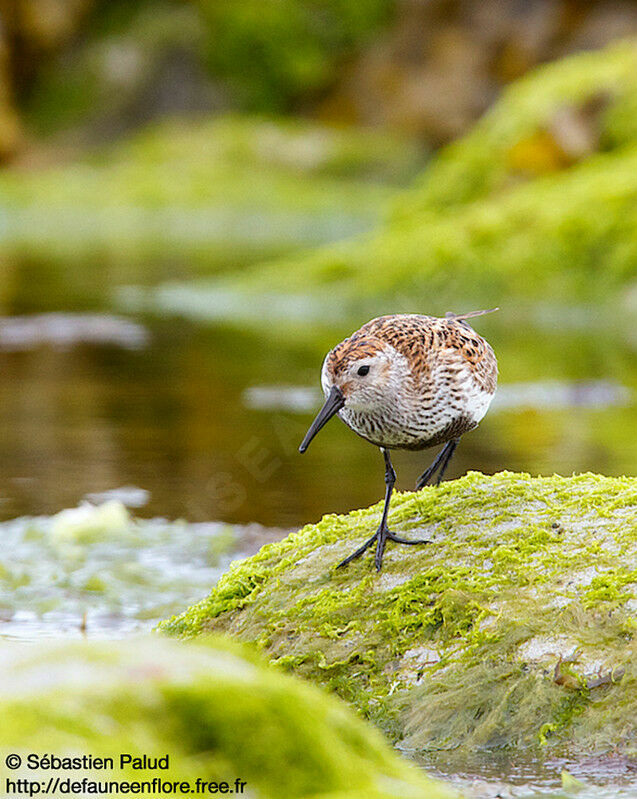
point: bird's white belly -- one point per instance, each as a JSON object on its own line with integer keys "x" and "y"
{"x": 477, "y": 403}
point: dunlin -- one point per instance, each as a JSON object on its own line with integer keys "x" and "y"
{"x": 407, "y": 381}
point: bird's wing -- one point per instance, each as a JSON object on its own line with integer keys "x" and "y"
{"x": 458, "y": 343}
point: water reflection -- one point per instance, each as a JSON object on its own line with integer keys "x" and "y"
{"x": 208, "y": 421}
{"x": 63, "y": 330}
{"x": 527, "y": 775}
{"x": 97, "y": 570}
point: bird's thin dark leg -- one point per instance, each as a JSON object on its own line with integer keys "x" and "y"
{"x": 383, "y": 534}
{"x": 383, "y": 530}
{"x": 451, "y": 448}
{"x": 441, "y": 462}
{"x": 380, "y": 535}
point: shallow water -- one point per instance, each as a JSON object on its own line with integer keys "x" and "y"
{"x": 501, "y": 775}
{"x": 96, "y": 570}
{"x": 207, "y": 419}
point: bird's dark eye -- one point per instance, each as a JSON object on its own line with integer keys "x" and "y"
{"x": 363, "y": 370}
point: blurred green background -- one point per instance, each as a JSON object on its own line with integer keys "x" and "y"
{"x": 250, "y": 181}
{"x": 198, "y": 199}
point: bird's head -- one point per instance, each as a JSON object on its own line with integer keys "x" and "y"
{"x": 359, "y": 374}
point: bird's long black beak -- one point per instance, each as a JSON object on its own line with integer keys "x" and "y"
{"x": 333, "y": 404}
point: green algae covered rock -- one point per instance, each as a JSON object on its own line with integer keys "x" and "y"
{"x": 553, "y": 118}
{"x": 502, "y": 216}
{"x": 218, "y": 715}
{"x": 514, "y": 627}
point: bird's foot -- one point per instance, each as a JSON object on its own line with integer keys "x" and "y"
{"x": 359, "y": 551}
{"x": 384, "y": 535}
{"x": 381, "y": 536}
{"x": 399, "y": 540}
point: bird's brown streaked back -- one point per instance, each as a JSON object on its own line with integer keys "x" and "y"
{"x": 421, "y": 339}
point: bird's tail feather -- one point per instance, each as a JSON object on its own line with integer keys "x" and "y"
{"x": 461, "y": 316}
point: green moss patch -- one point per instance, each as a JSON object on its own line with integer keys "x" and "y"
{"x": 515, "y": 626}
{"x": 218, "y": 715}
{"x": 504, "y": 215}
{"x": 224, "y": 191}
{"x": 555, "y": 117}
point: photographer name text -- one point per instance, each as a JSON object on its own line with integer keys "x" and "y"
{"x": 51, "y": 762}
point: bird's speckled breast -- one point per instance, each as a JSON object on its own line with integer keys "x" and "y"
{"x": 392, "y": 434}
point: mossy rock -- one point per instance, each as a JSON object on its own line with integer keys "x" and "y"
{"x": 218, "y": 714}
{"x": 502, "y": 216}
{"x": 536, "y": 241}
{"x": 557, "y": 116}
{"x": 515, "y": 627}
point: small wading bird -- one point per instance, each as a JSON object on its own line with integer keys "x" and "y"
{"x": 408, "y": 382}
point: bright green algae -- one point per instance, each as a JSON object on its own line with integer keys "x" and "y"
{"x": 502, "y": 214}
{"x": 514, "y": 627}
{"x": 526, "y": 133}
{"x": 217, "y": 713}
